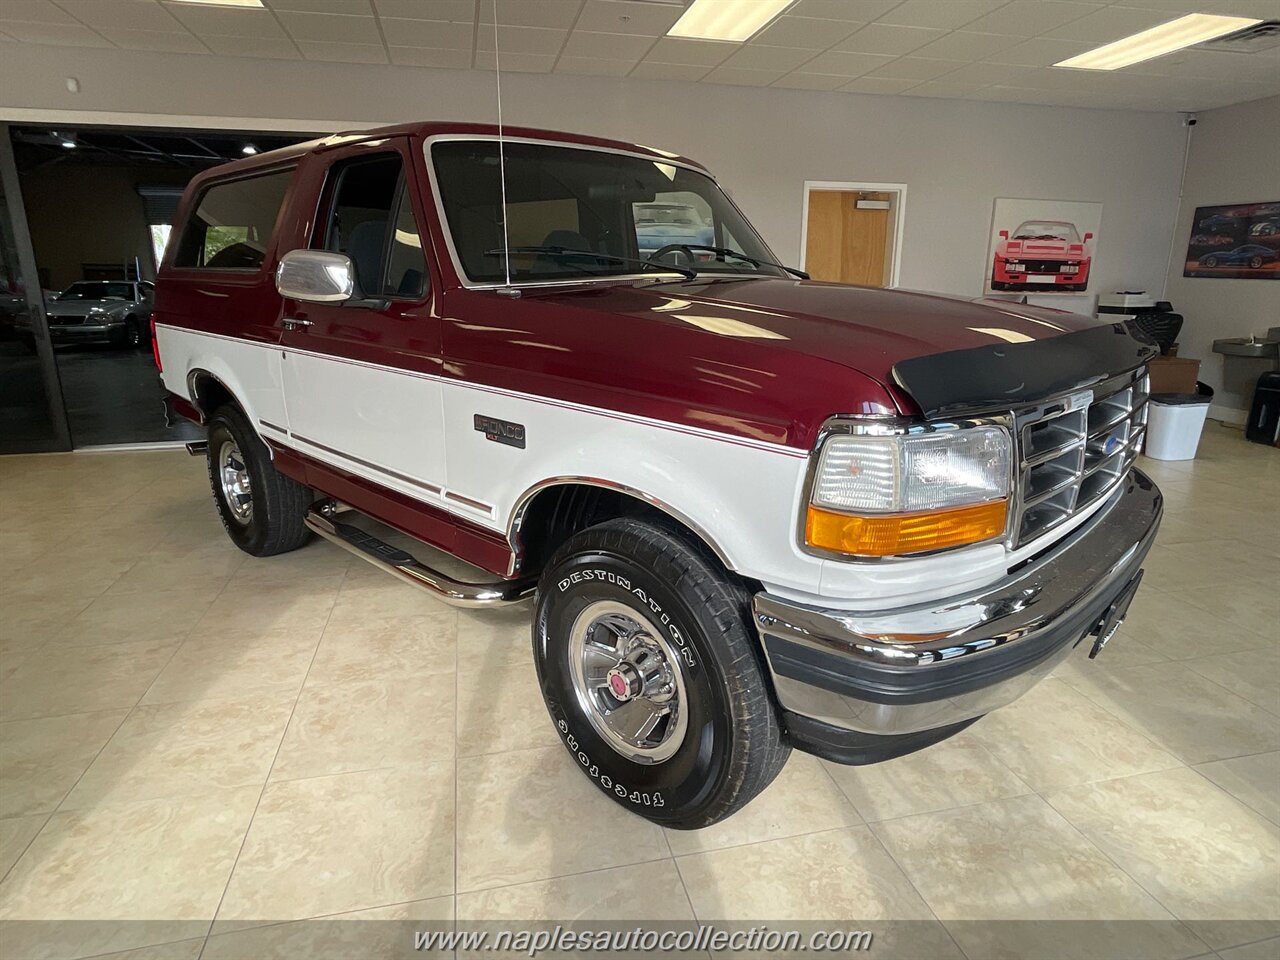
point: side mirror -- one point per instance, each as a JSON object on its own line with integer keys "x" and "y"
{"x": 1088, "y": 237}
{"x": 1004, "y": 234}
{"x": 316, "y": 276}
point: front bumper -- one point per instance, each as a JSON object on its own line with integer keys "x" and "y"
{"x": 86, "y": 332}
{"x": 861, "y": 686}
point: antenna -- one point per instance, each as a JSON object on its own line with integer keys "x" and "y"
{"x": 502, "y": 153}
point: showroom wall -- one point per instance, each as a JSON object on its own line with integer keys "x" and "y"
{"x": 955, "y": 156}
{"x": 80, "y": 214}
{"x": 1234, "y": 158}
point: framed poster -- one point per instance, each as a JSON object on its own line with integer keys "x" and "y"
{"x": 1239, "y": 242}
{"x": 1042, "y": 246}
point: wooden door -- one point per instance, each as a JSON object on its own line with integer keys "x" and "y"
{"x": 846, "y": 244}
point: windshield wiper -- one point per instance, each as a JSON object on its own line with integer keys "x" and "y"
{"x": 566, "y": 253}
{"x": 739, "y": 255}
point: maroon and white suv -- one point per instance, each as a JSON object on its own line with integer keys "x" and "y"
{"x": 756, "y": 511}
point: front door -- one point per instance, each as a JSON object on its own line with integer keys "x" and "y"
{"x": 360, "y": 379}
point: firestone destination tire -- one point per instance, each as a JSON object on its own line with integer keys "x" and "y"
{"x": 261, "y": 509}
{"x": 652, "y": 675}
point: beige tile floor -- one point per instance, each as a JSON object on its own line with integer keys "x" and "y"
{"x": 199, "y": 749}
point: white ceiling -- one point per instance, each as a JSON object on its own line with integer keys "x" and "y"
{"x": 994, "y": 50}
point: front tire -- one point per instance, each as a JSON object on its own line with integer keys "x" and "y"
{"x": 651, "y": 674}
{"x": 261, "y": 509}
{"x": 133, "y": 338}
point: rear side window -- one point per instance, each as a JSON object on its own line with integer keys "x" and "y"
{"x": 371, "y": 221}
{"x": 232, "y": 224}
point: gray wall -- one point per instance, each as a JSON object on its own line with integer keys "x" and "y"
{"x": 955, "y": 156}
{"x": 1234, "y": 158}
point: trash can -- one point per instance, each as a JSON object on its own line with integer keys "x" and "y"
{"x": 1174, "y": 422}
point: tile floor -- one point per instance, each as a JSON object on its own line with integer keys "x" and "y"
{"x": 197, "y": 747}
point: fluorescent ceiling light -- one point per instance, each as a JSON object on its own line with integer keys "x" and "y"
{"x": 735, "y": 20}
{"x": 248, "y": 149}
{"x": 1175, "y": 35}
{"x": 223, "y": 3}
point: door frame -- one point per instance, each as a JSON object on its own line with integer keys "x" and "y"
{"x": 899, "y": 215}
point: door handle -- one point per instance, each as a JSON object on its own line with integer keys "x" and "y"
{"x": 294, "y": 323}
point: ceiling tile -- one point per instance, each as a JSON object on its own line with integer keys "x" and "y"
{"x": 157, "y": 41}
{"x": 532, "y": 13}
{"x": 62, "y": 34}
{"x": 458, "y": 11}
{"x": 931, "y": 13}
{"x": 34, "y": 11}
{"x": 591, "y": 67}
{"x": 707, "y": 53}
{"x": 118, "y": 14}
{"x": 656, "y": 70}
{"x": 863, "y": 10}
{"x": 845, "y": 64}
{"x": 423, "y": 57}
{"x": 1111, "y": 23}
{"x": 915, "y": 68}
{"x": 226, "y": 21}
{"x": 266, "y": 48}
{"x": 532, "y": 40}
{"x": 628, "y": 16}
{"x": 756, "y": 57}
{"x": 887, "y": 38}
{"x": 270, "y": 48}
{"x": 985, "y": 73}
{"x": 741, "y": 77}
{"x": 354, "y": 7}
{"x": 342, "y": 52}
{"x": 805, "y": 32}
{"x": 1040, "y": 52}
{"x": 945, "y": 88}
{"x": 437, "y": 34}
{"x": 605, "y": 46}
{"x": 810, "y": 81}
{"x": 517, "y": 62}
{"x": 964, "y": 45}
{"x": 1030, "y": 18}
{"x": 331, "y": 28}
{"x": 887, "y": 85}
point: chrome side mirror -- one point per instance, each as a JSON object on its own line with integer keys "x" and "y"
{"x": 316, "y": 276}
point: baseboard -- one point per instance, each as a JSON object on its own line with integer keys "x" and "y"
{"x": 1231, "y": 415}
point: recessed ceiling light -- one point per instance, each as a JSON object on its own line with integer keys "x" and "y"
{"x": 735, "y": 20}
{"x": 222, "y": 3}
{"x": 69, "y": 144}
{"x": 248, "y": 149}
{"x": 1175, "y": 35}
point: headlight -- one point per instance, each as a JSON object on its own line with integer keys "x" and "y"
{"x": 885, "y": 495}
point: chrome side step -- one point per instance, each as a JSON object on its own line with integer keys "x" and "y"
{"x": 197, "y": 448}
{"x": 404, "y": 565}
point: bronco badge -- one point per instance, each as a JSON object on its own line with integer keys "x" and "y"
{"x": 501, "y": 431}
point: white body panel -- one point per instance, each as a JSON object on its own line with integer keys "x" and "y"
{"x": 414, "y": 433}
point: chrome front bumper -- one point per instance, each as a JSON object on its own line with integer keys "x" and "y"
{"x": 903, "y": 673}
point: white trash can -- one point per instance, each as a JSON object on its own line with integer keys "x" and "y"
{"x": 1174, "y": 422}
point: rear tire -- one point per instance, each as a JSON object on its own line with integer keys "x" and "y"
{"x": 261, "y": 509}
{"x": 681, "y": 630}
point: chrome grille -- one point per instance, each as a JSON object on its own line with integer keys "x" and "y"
{"x": 1074, "y": 450}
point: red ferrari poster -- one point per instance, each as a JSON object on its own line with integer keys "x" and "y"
{"x": 1042, "y": 246}
{"x": 1239, "y": 242}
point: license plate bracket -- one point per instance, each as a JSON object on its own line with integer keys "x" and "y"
{"x": 1110, "y": 621}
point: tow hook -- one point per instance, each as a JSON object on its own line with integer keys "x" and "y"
{"x": 1111, "y": 620}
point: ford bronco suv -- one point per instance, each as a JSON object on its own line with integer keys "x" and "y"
{"x": 756, "y": 512}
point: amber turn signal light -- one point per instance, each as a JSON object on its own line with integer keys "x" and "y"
{"x": 900, "y": 533}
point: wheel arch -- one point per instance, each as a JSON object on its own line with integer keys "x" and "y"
{"x": 552, "y": 510}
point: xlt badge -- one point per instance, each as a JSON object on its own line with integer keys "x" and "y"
{"x": 501, "y": 431}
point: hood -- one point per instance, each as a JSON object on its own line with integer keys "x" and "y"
{"x": 1039, "y": 248}
{"x": 82, "y": 308}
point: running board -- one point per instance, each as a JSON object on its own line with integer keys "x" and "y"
{"x": 197, "y": 448}
{"x": 399, "y": 563}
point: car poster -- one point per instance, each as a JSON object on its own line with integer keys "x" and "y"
{"x": 1041, "y": 247}
{"x": 1237, "y": 242}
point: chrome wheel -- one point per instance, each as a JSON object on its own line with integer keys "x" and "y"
{"x": 233, "y": 476}
{"x": 628, "y": 681}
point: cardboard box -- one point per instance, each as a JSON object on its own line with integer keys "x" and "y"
{"x": 1174, "y": 374}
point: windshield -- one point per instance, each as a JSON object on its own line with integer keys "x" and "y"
{"x": 1047, "y": 230}
{"x": 607, "y": 204}
{"x": 98, "y": 290}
